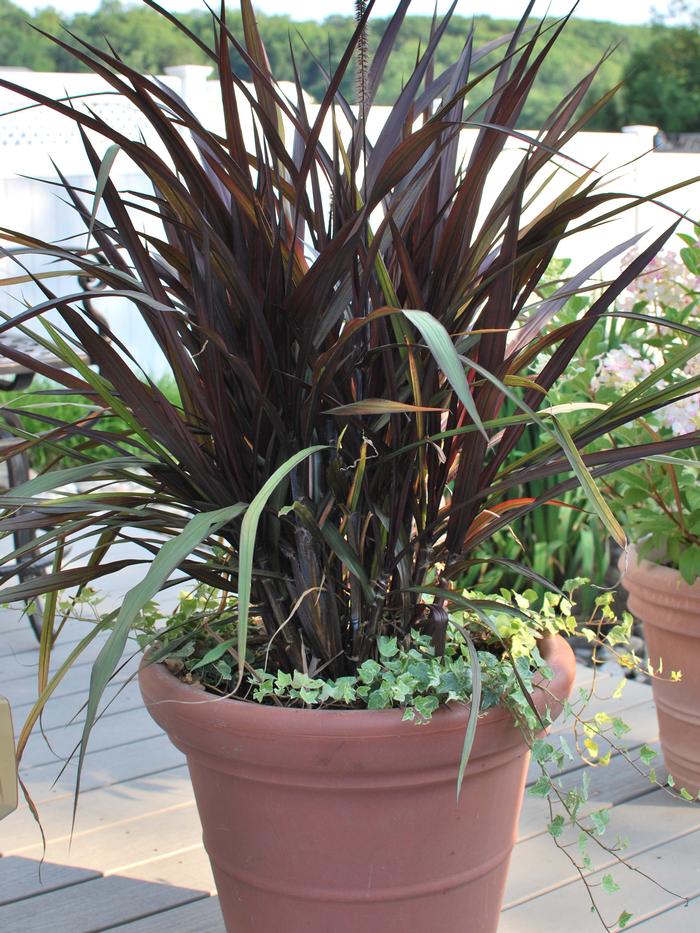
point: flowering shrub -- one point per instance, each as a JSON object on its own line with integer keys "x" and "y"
{"x": 668, "y": 288}
{"x": 658, "y": 340}
{"x": 671, "y": 280}
{"x": 620, "y": 369}
{"x": 650, "y": 342}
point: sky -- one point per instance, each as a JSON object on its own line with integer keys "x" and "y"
{"x": 621, "y": 11}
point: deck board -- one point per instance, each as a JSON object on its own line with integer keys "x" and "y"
{"x": 95, "y": 904}
{"x": 100, "y": 808}
{"x": 682, "y": 919}
{"x": 539, "y": 867}
{"x": 609, "y": 787}
{"x": 674, "y": 863}
{"x": 21, "y": 692}
{"x": 106, "y": 767}
{"x": 136, "y": 863}
{"x": 124, "y": 722}
{"x": 202, "y": 916}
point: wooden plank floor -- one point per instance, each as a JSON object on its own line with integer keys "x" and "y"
{"x": 136, "y": 862}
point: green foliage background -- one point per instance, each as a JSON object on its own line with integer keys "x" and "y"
{"x": 663, "y": 82}
{"x": 148, "y": 43}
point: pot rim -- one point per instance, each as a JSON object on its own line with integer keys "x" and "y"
{"x": 631, "y": 565}
{"x": 156, "y": 679}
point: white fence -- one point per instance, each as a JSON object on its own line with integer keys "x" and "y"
{"x": 31, "y": 138}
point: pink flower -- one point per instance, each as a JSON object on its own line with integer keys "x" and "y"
{"x": 665, "y": 282}
{"x": 621, "y": 369}
{"x": 681, "y": 417}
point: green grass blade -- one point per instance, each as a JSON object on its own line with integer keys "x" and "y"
{"x": 473, "y": 719}
{"x": 472, "y": 722}
{"x": 57, "y": 478}
{"x": 347, "y": 555}
{"x": 102, "y": 179}
{"x": 446, "y": 356}
{"x": 593, "y": 494}
{"x": 249, "y": 529}
{"x": 164, "y": 563}
{"x": 378, "y": 406}
{"x": 566, "y": 442}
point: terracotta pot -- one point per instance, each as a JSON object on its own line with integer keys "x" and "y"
{"x": 670, "y": 611}
{"x": 346, "y": 821}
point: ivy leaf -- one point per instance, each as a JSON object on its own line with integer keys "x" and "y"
{"x": 541, "y": 787}
{"x": 224, "y": 668}
{"x": 609, "y": 885}
{"x": 647, "y": 754}
{"x": 388, "y": 647}
{"x": 566, "y": 751}
{"x": 585, "y": 785}
{"x": 617, "y": 693}
{"x": 344, "y": 690}
{"x": 623, "y": 919}
{"x": 426, "y": 706}
{"x": 542, "y": 751}
{"x": 556, "y": 827}
{"x": 582, "y": 847}
{"x": 284, "y": 680}
{"x": 309, "y": 695}
{"x": 368, "y": 671}
{"x": 600, "y": 820}
{"x": 620, "y": 727}
{"x": 378, "y": 700}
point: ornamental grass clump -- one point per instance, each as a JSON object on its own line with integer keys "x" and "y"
{"x": 351, "y": 325}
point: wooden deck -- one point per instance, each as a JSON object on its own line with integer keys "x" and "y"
{"x": 136, "y": 861}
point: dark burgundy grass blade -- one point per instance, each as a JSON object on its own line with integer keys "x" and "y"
{"x": 274, "y": 274}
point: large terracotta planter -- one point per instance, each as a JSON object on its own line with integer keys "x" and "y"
{"x": 342, "y": 821}
{"x": 670, "y": 611}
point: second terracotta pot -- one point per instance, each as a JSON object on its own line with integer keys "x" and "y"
{"x": 333, "y": 821}
{"x": 670, "y": 611}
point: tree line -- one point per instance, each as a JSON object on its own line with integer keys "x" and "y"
{"x": 658, "y": 63}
